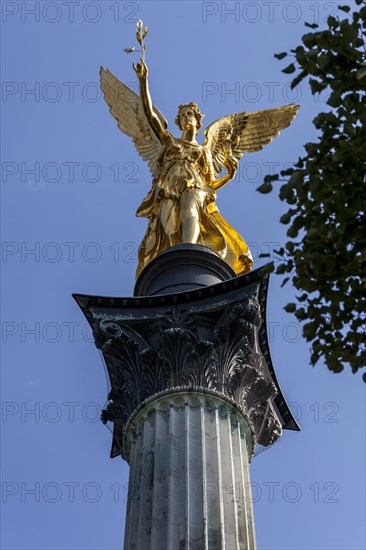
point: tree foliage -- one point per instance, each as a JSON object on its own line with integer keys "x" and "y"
{"x": 325, "y": 255}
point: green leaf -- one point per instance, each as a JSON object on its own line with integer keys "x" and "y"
{"x": 290, "y": 308}
{"x": 323, "y": 61}
{"x": 285, "y": 192}
{"x": 268, "y": 268}
{"x": 309, "y": 39}
{"x": 316, "y": 86}
{"x": 289, "y": 69}
{"x": 332, "y": 21}
{"x": 292, "y": 232}
{"x": 334, "y": 364}
{"x": 361, "y": 74}
{"x": 296, "y": 177}
{"x": 286, "y": 218}
{"x": 265, "y": 188}
{"x": 309, "y": 330}
{"x": 300, "y": 314}
{"x": 270, "y": 177}
{"x": 344, "y": 8}
{"x": 298, "y": 79}
{"x": 280, "y": 55}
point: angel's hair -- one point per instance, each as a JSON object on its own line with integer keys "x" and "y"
{"x": 197, "y": 113}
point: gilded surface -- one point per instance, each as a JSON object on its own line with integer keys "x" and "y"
{"x": 180, "y": 205}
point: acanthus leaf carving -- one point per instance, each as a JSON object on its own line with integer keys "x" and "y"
{"x": 202, "y": 367}
{"x": 175, "y": 351}
{"x": 229, "y": 361}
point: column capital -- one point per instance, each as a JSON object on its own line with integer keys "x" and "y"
{"x": 210, "y": 338}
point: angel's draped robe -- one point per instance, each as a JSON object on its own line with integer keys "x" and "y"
{"x": 180, "y": 182}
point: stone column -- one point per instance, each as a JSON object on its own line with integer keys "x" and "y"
{"x": 193, "y": 390}
{"x": 189, "y": 488}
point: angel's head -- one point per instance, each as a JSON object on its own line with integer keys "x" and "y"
{"x": 189, "y": 116}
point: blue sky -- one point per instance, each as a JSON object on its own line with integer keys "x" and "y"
{"x": 71, "y": 183}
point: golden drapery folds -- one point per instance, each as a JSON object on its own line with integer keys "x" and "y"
{"x": 169, "y": 203}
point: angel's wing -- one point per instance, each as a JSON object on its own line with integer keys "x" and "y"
{"x": 126, "y": 107}
{"x": 249, "y": 131}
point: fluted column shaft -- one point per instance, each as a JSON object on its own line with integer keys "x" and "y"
{"x": 189, "y": 483}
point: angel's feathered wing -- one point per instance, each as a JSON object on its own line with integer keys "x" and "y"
{"x": 249, "y": 131}
{"x": 126, "y": 107}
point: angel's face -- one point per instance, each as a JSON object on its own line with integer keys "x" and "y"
{"x": 188, "y": 119}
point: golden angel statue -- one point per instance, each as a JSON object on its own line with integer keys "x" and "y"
{"x": 180, "y": 205}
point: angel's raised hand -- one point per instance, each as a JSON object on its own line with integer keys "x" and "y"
{"x": 140, "y": 69}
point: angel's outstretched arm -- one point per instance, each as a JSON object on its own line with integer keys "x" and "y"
{"x": 153, "y": 120}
